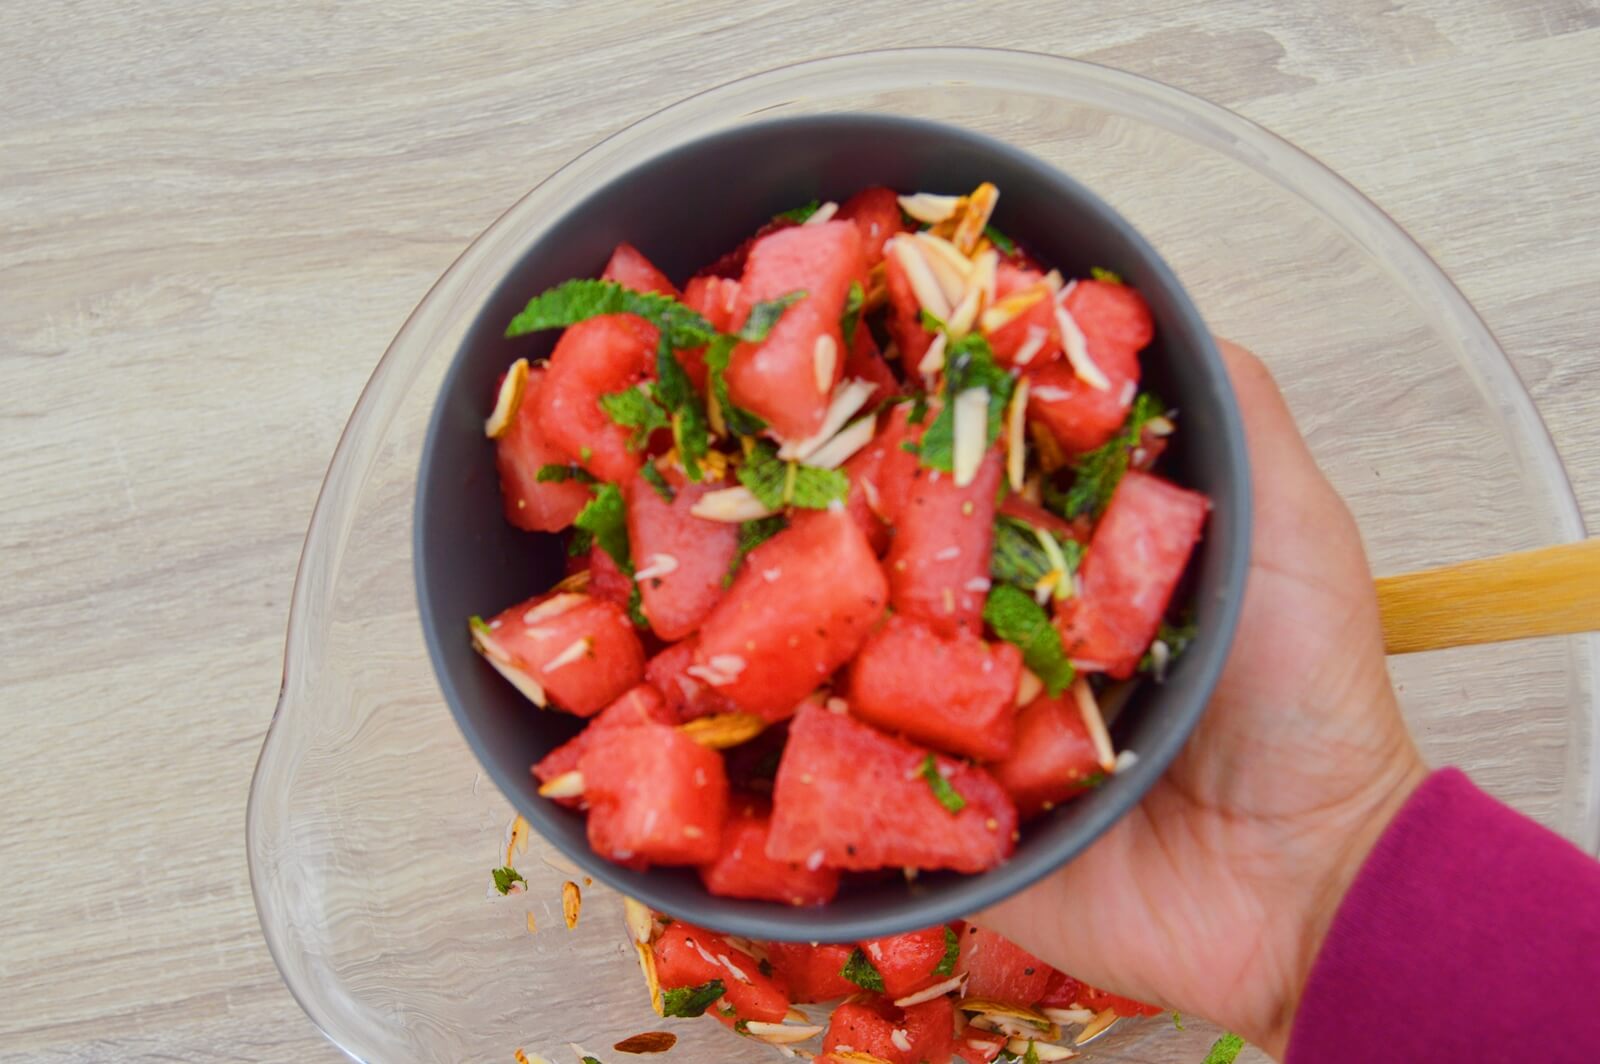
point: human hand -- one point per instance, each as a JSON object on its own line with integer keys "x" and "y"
{"x": 1214, "y": 894}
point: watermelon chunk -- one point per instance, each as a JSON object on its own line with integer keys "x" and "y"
{"x": 880, "y": 474}
{"x": 607, "y": 581}
{"x": 689, "y": 956}
{"x": 905, "y": 315}
{"x": 918, "y": 1034}
{"x": 683, "y": 558}
{"x": 876, "y": 212}
{"x": 908, "y": 962}
{"x": 938, "y": 563}
{"x": 778, "y": 378}
{"x": 640, "y": 705}
{"x": 1034, "y": 327}
{"x": 629, "y": 268}
{"x": 1111, "y": 316}
{"x": 743, "y": 869}
{"x": 812, "y": 972}
{"x": 594, "y": 358}
{"x": 1054, "y": 758}
{"x": 780, "y": 631}
{"x": 655, "y": 796}
{"x": 999, "y": 969}
{"x": 519, "y": 454}
{"x": 1116, "y": 325}
{"x": 866, "y": 362}
{"x": 1134, "y": 561}
{"x": 969, "y": 711}
{"x": 976, "y": 1046}
{"x": 582, "y": 651}
{"x": 847, "y": 796}
{"x": 714, "y": 299}
{"x": 686, "y": 693}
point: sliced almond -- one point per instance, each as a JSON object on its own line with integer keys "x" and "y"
{"x": 1004, "y": 311}
{"x": 952, "y": 282}
{"x": 721, "y": 731}
{"x": 1046, "y": 446}
{"x": 574, "y": 651}
{"x": 566, "y": 785}
{"x": 1017, "y": 435}
{"x": 1126, "y": 759}
{"x": 929, "y": 993}
{"x": 1034, "y": 343}
{"x": 1028, "y": 687}
{"x": 924, "y": 284}
{"x": 1005, "y": 1010}
{"x": 571, "y": 903}
{"x": 1042, "y": 1051}
{"x": 1095, "y": 724}
{"x": 1101, "y": 1022}
{"x": 975, "y": 217}
{"x": 533, "y": 924}
{"x": 652, "y": 981}
{"x": 483, "y": 641}
{"x": 730, "y": 506}
{"x": 576, "y": 582}
{"x": 848, "y": 397}
{"x": 794, "y": 1015}
{"x": 1160, "y": 426}
{"x": 507, "y": 400}
{"x": 781, "y": 1034}
{"x": 971, "y": 434}
{"x": 640, "y": 920}
{"x": 1077, "y": 350}
{"x": 517, "y": 838}
{"x": 1069, "y": 1017}
{"x": 938, "y": 248}
{"x": 978, "y": 294}
{"x": 657, "y": 565}
{"x": 846, "y": 443}
{"x": 824, "y": 361}
{"x": 553, "y": 606}
{"x": 930, "y": 208}
{"x": 523, "y": 1058}
{"x": 933, "y": 358}
{"x": 822, "y": 214}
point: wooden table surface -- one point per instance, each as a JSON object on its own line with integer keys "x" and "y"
{"x": 213, "y": 217}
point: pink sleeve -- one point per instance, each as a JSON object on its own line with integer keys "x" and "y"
{"x": 1470, "y": 935}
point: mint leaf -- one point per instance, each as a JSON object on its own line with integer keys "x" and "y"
{"x": 778, "y": 483}
{"x": 1018, "y": 619}
{"x": 590, "y": 1060}
{"x": 653, "y": 477}
{"x": 1176, "y": 638}
{"x": 636, "y": 606}
{"x": 860, "y": 971}
{"x": 1100, "y": 273}
{"x": 691, "y": 1000}
{"x": 1097, "y": 474}
{"x": 579, "y": 300}
{"x": 1030, "y": 1057}
{"x": 635, "y": 409}
{"x": 504, "y": 877}
{"x": 948, "y": 796}
{"x": 558, "y": 474}
{"x": 853, "y": 303}
{"x": 1019, "y": 557}
{"x": 1006, "y": 245}
{"x": 606, "y": 520}
{"x": 751, "y": 535}
{"x": 798, "y": 215}
{"x": 952, "y": 953}
{"x": 968, "y": 363}
{"x": 1177, "y": 1019}
{"x": 930, "y": 321}
{"x": 675, "y": 392}
{"x": 764, "y": 315}
{"x": 1225, "y": 1050}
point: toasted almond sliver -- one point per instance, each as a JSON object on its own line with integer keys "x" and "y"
{"x": 1042, "y": 1051}
{"x": 824, "y": 361}
{"x": 924, "y": 285}
{"x": 1102, "y": 1020}
{"x": 721, "y": 731}
{"x": 730, "y": 506}
{"x": 929, "y": 993}
{"x": 657, "y": 565}
{"x": 939, "y": 249}
{"x": 1095, "y": 724}
{"x": 1017, "y": 436}
{"x": 930, "y": 208}
{"x": 553, "y": 606}
{"x": 794, "y": 1015}
{"x": 496, "y": 656}
{"x": 952, "y": 281}
{"x": 1069, "y": 1017}
{"x": 571, "y": 903}
{"x": 1028, "y": 687}
{"x": 640, "y": 920}
{"x": 533, "y": 924}
{"x": 979, "y": 294}
{"x": 992, "y": 1009}
{"x": 1002, "y": 312}
{"x": 822, "y": 214}
{"x": 847, "y": 442}
{"x": 652, "y": 981}
{"x": 517, "y": 838}
{"x": 933, "y": 358}
{"x": 1036, "y": 339}
{"x": 780, "y": 1033}
{"x": 566, "y": 785}
{"x": 507, "y": 400}
{"x": 576, "y": 582}
{"x": 971, "y": 434}
{"x": 848, "y": 397}
{"x": 1077, "y": 349}
{"x": 575, "y": 651}
{"x": 975, "y": 217}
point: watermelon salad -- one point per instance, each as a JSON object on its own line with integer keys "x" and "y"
{"x": 865, "y": 528}
{"x": 932, "y": 996}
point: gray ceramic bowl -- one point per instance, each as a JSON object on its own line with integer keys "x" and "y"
{"x": 683, "y": 209}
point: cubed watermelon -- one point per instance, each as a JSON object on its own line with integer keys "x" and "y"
{"x": 582, "y": 652}
{"x": 848, "y": 796}
{"x": 680, "y": 560}
{"x": 938, "y": 562}
{"x": 689, "y": 956}
{"x": 1030, "y": 337}
{"x": 1080, "y": 416}
{"x": 866, "y": 362}
{"x": 910, "y": 962}
{"x": 1134, "y": 561}
{"x": 655, "y": 796}
{"x": 1111, "y": 316}
{"x": 743, "y": 869}
{"x": 715, "y": 299}
{"x": 876, "y": 212}
{"x": 969, "y": 711}
{"x": 905, "y": 315}
{"x": 1054, "y": 758}
{"x": 688, "y": 694}
{"x": 1000, "y": 970}
{"x": 519, "y": 454}
{"x": 918, "y": 1034}
{"x": 788, "y": 378}
{"x": 629, "y": 268}
{"x": 780, "y": 631}
{"x": 1062, "y": 992}
{"x": 880, "y": 475}
{"x": 640, "y": 705}
{"x": 594, "y": 358}
{"x": 812, "y": 973}
{"x": 607, "y": 581}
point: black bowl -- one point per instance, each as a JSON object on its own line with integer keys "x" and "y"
{"x": 683, "y": 208}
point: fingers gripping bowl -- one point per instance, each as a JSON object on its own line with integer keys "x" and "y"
{"x": 686, "y": 208}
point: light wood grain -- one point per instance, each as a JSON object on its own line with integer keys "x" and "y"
{"x": 1549, "y": 591}
{"x": 214, "y": 216}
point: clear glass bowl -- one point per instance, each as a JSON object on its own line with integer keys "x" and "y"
{"x": 371, "y": 832}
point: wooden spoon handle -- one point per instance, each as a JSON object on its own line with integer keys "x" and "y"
{"x": 1549, "y": 591}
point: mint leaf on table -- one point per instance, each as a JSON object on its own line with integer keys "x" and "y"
{"x": 1097, "y": 473}
{"x": 859, "y": 970}
{"x": 636, "y": 409}
{"x": 798, "y": 215}
{"x": 579, "y": 300}
{"x": 854, "y": 301}
{"x": 947, "y": 795}
{"x": 752, "y": 534}
{"x": 778, "y": 483}
{"x": 689, "y": 1001}
{"x": 504, "y": 877}
{"x": 968, "y": 363}
{"x": 1019, "y": 556}
{"x": 605, "y": 519}
{"x": 1225, "y": 1050}
{"x": 952, "y": 953}
{"x": 558, "y": 474}
{"x": 1018, "y": 619}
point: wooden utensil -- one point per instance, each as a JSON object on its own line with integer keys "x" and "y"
{"x": 1549, "y": 591}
